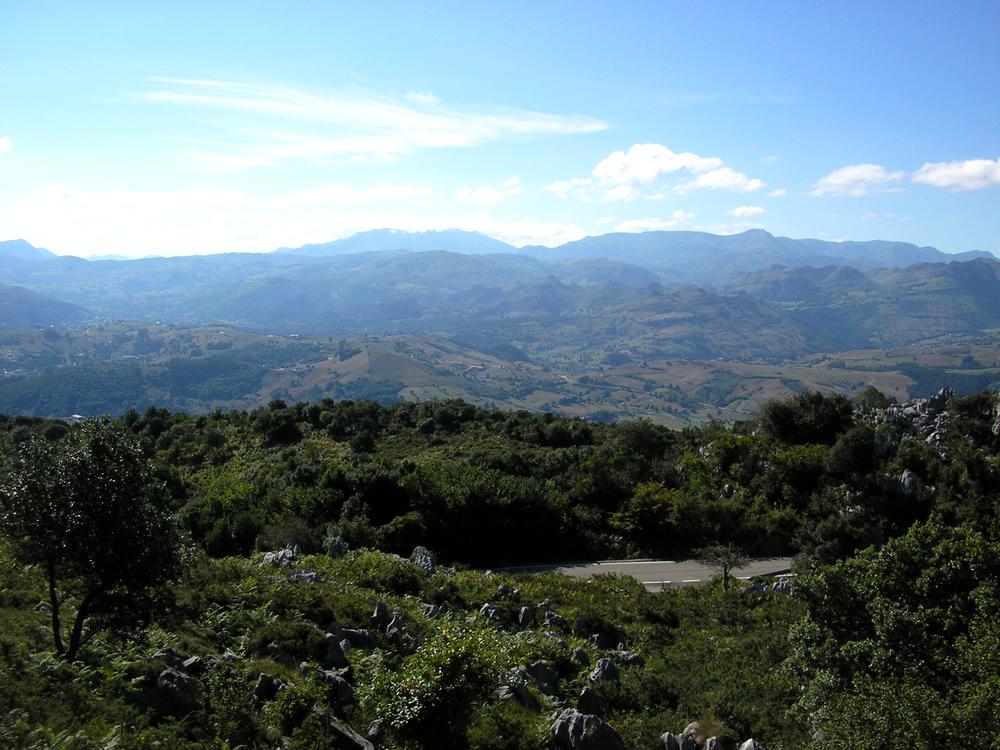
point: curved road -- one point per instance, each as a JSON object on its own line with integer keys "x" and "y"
{"x": 659, "y": 574}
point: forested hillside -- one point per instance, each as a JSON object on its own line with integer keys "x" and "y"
{"x": 375, "y": 616}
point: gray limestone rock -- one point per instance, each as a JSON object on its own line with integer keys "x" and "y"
{"x": 605, "y": 671}
{"x": 573, "y": 730}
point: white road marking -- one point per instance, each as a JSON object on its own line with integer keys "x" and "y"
{"x": 691, "y": 580}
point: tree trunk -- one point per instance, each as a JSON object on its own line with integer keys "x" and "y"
{"x": 54, "y": 606}
{"x": 76, "y": 637}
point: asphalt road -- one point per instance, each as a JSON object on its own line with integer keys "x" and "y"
{"x": 659, "y": 574}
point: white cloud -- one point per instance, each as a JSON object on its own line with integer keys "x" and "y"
{"x": 654, "y": 224}
{"x": 779, "y": 193}
{"x": 647, "y": 162}
{"x": 489, "y": 195}
{"x": 744, "y": 212}
{"x": 207, "y": 219}
{"x": 857, "y": 180}
{"x": 620, "y": 193}
{"x": 771, "y": 159}
{"x": 973, "y": 174}
{"x": 578, "y": 187}
{"x": 642, "y": 172}
{"x": 344, "y": 126}
{"x": 422, "y": 97}
{"x": 722, "y": 178}
{"x": 6, "y": 144}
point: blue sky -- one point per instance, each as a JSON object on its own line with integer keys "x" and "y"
{"x": 204, "y": 127}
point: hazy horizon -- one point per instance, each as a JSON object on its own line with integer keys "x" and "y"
{"x": 187, "y": 129}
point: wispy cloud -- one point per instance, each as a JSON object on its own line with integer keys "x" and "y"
{"x": 345, "y": 125}
{"x": 677, "y": 218}
{"x": 744, "y": 212}
{"x": 422, "y": 97}
{"x": 489, "y": 195}
{"x": 973, "y": 174}
{"x": 6, "y": 144}
{"x": 210, "y": 219}
{"x": 779, "y": 193}
{"x": 857, "y": 180}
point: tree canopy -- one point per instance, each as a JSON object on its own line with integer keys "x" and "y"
{"x": 88, "y": 509}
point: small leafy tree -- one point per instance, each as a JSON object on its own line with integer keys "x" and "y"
{"x": 90, "y": 512}
{"x": 724, "y": 558}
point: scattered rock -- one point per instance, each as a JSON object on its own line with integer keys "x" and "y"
{"x": 423, "y": 558}
{"x": 576, "y": 731}
{"x": 310, "y": 576}
{"x": 543, "y": 677}
{"x": 336, "y": 547}
{"x": 721, "y": 743}
{"x": 782, "y": 586}
{"x": 605, "y": 671}
{"x": 362, "y": 639}
{"x": 342, "y": 736}
{"x": 178, "y": 692}
{"x": 589, "y": 702}
{"x": 668, "y": 741}
{"x": 433, "y": 611}
{"x": 229, "y": 656}
{"x": 552, "y": 620}
{"x": 267, "y": 687}
{"x": 526, "y": 617}
{"x": 519, "y": 692}
{"x": 581, "y": 657}
{"x": 277, "y": 654}
{"x": 909, "y": 482}
{"x": 194, "y": 666}
{"x": 630, "y": 659}
{"x": 608, "y": 638}
{"x": 281, "y": 558}
{"x": 506, "y": 591}
{"x": 751, "y": 744}
{"x": 490, "y": 611}
{"x": 342, "y": 690}
{"x": 691, "y": 737}
{"x": 334, "y": 655}
{"x": 169, "y": 657}
{"x": 381, "y": 616}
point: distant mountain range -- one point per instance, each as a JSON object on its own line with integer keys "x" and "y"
{"x": 610, "y": 299}
{"x": 678, "y": 326}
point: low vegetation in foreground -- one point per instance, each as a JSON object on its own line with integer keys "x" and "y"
{"x": 273, "y": 596}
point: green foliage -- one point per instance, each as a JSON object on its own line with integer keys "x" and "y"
{"x": 90, "y": 512}
{"x": 429, "y": 702}
{"x": 898, "y": 639}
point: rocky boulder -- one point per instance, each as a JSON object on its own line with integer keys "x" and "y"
{"x": 605, "y": 671}
{"x": 336, "y": 547}
{"x": 576, "y": 731}
{"x": 333, "y": 654}
{"x": 721, "y": 743}
{"x": 267, "y": 687}
{"x": 177, "y": 691}
{"x": 282, "y": 558}
{"x": 589, "y": 702}
{"x": 423, "y": 558}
